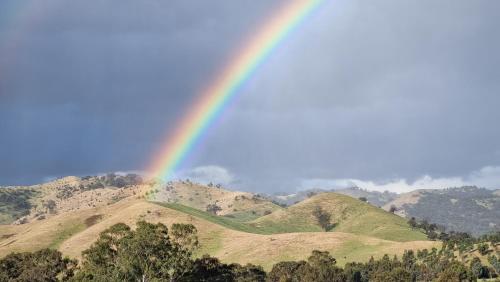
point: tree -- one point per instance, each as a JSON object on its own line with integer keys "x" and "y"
{"x": 483, "y": 248}
{"x": 413, "y": 222}
{"x": 208, "y": 268}
{"x": 400, "y": 274}
{"x": 248, "y": 273}
{"x": 43, "y": 265}
{"x": 185, "y": 235}
{"x": 126, "y": 255}
{"x": 321, "y": 267}
{"x": 478, "y": 270}
{"x": 432, "y": 235}
{"x": 213, "y": 209}
{"x": 50, "y": 205}
{"x": 409, "y": 260}
{"x": 363, "y": 199}
{"x": 322, "y": 217}
{"x": 286, "y": 271}
{"x": 356, "y": 272}
{"x": 495, "y": 263}
{"x": 393, "y": 209}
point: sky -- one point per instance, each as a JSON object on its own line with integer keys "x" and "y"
{"x": 386, "y": 95}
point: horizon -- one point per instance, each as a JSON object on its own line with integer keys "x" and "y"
{"x": 346, "y": 185}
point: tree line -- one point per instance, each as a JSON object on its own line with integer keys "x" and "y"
{"x": 153, "y": 252}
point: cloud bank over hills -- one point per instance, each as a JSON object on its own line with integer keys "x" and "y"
{"x": 486, "y": 177}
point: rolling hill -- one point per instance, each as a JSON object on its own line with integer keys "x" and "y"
{"x": 73, "y": 232}
{"x": 240, "y": 206}
{"x": 249, "y": 229}
{"x": 373, "y": 197}
{"x": 348, "y": 214}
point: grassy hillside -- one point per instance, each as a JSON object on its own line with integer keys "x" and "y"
{"x": 240, "y": 206}
{"x": 373, "y": 197}
{"x": 24, "y": 204}
{"x": 219, "y": 220}
{"x": 348, "y": 215}
{"x": 72, "y": 232}
{"x": 249, "y": 229}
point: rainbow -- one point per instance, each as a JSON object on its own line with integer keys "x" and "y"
{"x": 216, "y": 97}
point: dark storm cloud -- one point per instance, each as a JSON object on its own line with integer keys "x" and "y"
{"x": 94, "y": 87}
{"x": 372, "y": 90}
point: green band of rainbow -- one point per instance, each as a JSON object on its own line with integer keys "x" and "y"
{"x": 213, "y": 101}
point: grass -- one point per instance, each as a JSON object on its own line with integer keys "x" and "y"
{"x": 350, "y": 216}
{"x": 235, "y": 224}
{"x": 65, "y": 233}
{"x": 243, "y": 216}
{"x": 218, "y": 236}
{"x": 212, "y": 243}
{"x": 220, "y": 220}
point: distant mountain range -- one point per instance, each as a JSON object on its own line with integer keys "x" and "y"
{"x": 467, "y": 209}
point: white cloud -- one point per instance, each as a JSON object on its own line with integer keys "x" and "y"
{"x": 206, "y": 174}
{"x": 123, "y": 173}
{"x": 487, "y": 177}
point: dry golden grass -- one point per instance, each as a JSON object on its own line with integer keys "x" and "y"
{"x": 240, "y": 204}
{"x": 68, "y": 197}
{"x": 84, "y": 215}
{"x": 69, "y": 234}
{"x": 406, "y": 198}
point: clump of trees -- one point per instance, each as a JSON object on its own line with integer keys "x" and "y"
{"x": 323, "y": 218}
{"x": 112, "y": 180}
{"x": 431, "y": 230}
{"x": 43, "y": 265}
{"x": 15, "y": 203}
{"x": 123, "y": 254}
{"x": 320, "y": 266}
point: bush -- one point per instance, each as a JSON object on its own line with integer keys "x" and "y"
{"x": 213, "y": 209}
{"x": 322, "y": 217}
